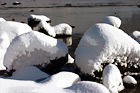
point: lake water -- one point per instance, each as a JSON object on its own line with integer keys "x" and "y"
{"x": 82, "y": 18}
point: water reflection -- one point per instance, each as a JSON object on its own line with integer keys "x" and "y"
{"x": 66, "y": 40}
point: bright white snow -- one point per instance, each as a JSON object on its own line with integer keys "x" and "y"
{"x": 112, "y": 20}
{"x": 135, "y": 34}
{"x": 63, "y": 79}
{"x": 129, "y": 80}
{"x": 2, "y": 19}
{"x": 38, "y": 18}
{"x": 102, "y": 43}
{"x": 112, "y": 78}
{"x": 8, "y": 31}
{"x": 43, "y": 25}
{"x": 63, "y": 29}
{"x": 29, "y": 73}
{"x": 33, "y": 48}
{"x": 60, "y": 29}
{"x": 88, "y": 87}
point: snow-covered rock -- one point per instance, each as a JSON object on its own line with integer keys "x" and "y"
{"x": 58, "y": 30}
{"x": 45, "y": 28}
{"x": 129, "y": 80}
{"x": 135, "y": 34}
{"x": 34, "y": 20}
{"x": 2, "y": 19}
{"x": 63, "y": 29}
{"x": 29, "y": 73}
{"x": 88, "y": 87}
{"x": 112, "y": 20}
{"x": 103, "y": 43}
{"x": 62, "y": 79}
{"x": 112, "y": 78}
{"x": 35, "y": 48}
{"x": 8, "y": 31}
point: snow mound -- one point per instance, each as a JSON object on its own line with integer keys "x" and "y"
{"x": 88, "y": 87}
{"x": 135, "y": 34}
{"x": 62, "y": 79}
{"x": 103, "y": 43}
{"x": 29, "y": 73}
{"x": 33, "y": 48}
{"x": 63, "y": 29}
{"x": 2, "y": 19}
{"x": 112, "y": 78}
{"x": 129, "y": 80}
{"x": 8, "y": 31}
{"x": 112, "y": 20}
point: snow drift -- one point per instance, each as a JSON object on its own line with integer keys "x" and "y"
{"x": 103, "y": 43}
{"x": 35, "y": 48}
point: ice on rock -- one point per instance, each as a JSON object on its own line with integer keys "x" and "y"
{"x": 129, "y": 80}
{"x": 29, "y": 73}
{"x": 112, "y": 78}
{"x": 8, "y": 31}
{"x": 112, "y": 20}
{"x": 103, "y": 43}
{"x": 34, "y": 48}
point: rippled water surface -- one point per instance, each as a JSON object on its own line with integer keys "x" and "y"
{"x": 82, "y": 18}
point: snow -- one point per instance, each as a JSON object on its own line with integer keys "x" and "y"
{"x": 38, "y": 18}
{"x": 29, "y": 73}
{"x": 112, "y": 20}
{"x": 69, "y": 80}
{"x": 135, "y": 34}
{"x": 63, "y": 29}
{"x": 45, "y": 26}
{"x": 62, "y": 79}
{"x": 102, "y": 43}
{"x": 70, "y": 59}
{"x": 112, "y": 78}
{"x": 88, "y": 87}
{"x": 60, "y": 29}
{"x": 8, "y": 31}
{"x": 2, "y": 19}
{"x": 33, "y": 48}
{"x": 129, "y": 80}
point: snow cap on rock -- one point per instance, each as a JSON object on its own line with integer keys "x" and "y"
{"x": 112, "y": 78}
{"x": 103, "y": 43}
{"x": 33, "y": 48}
{"x": 112, "y": 20}
{"x": 129, "y": 80}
